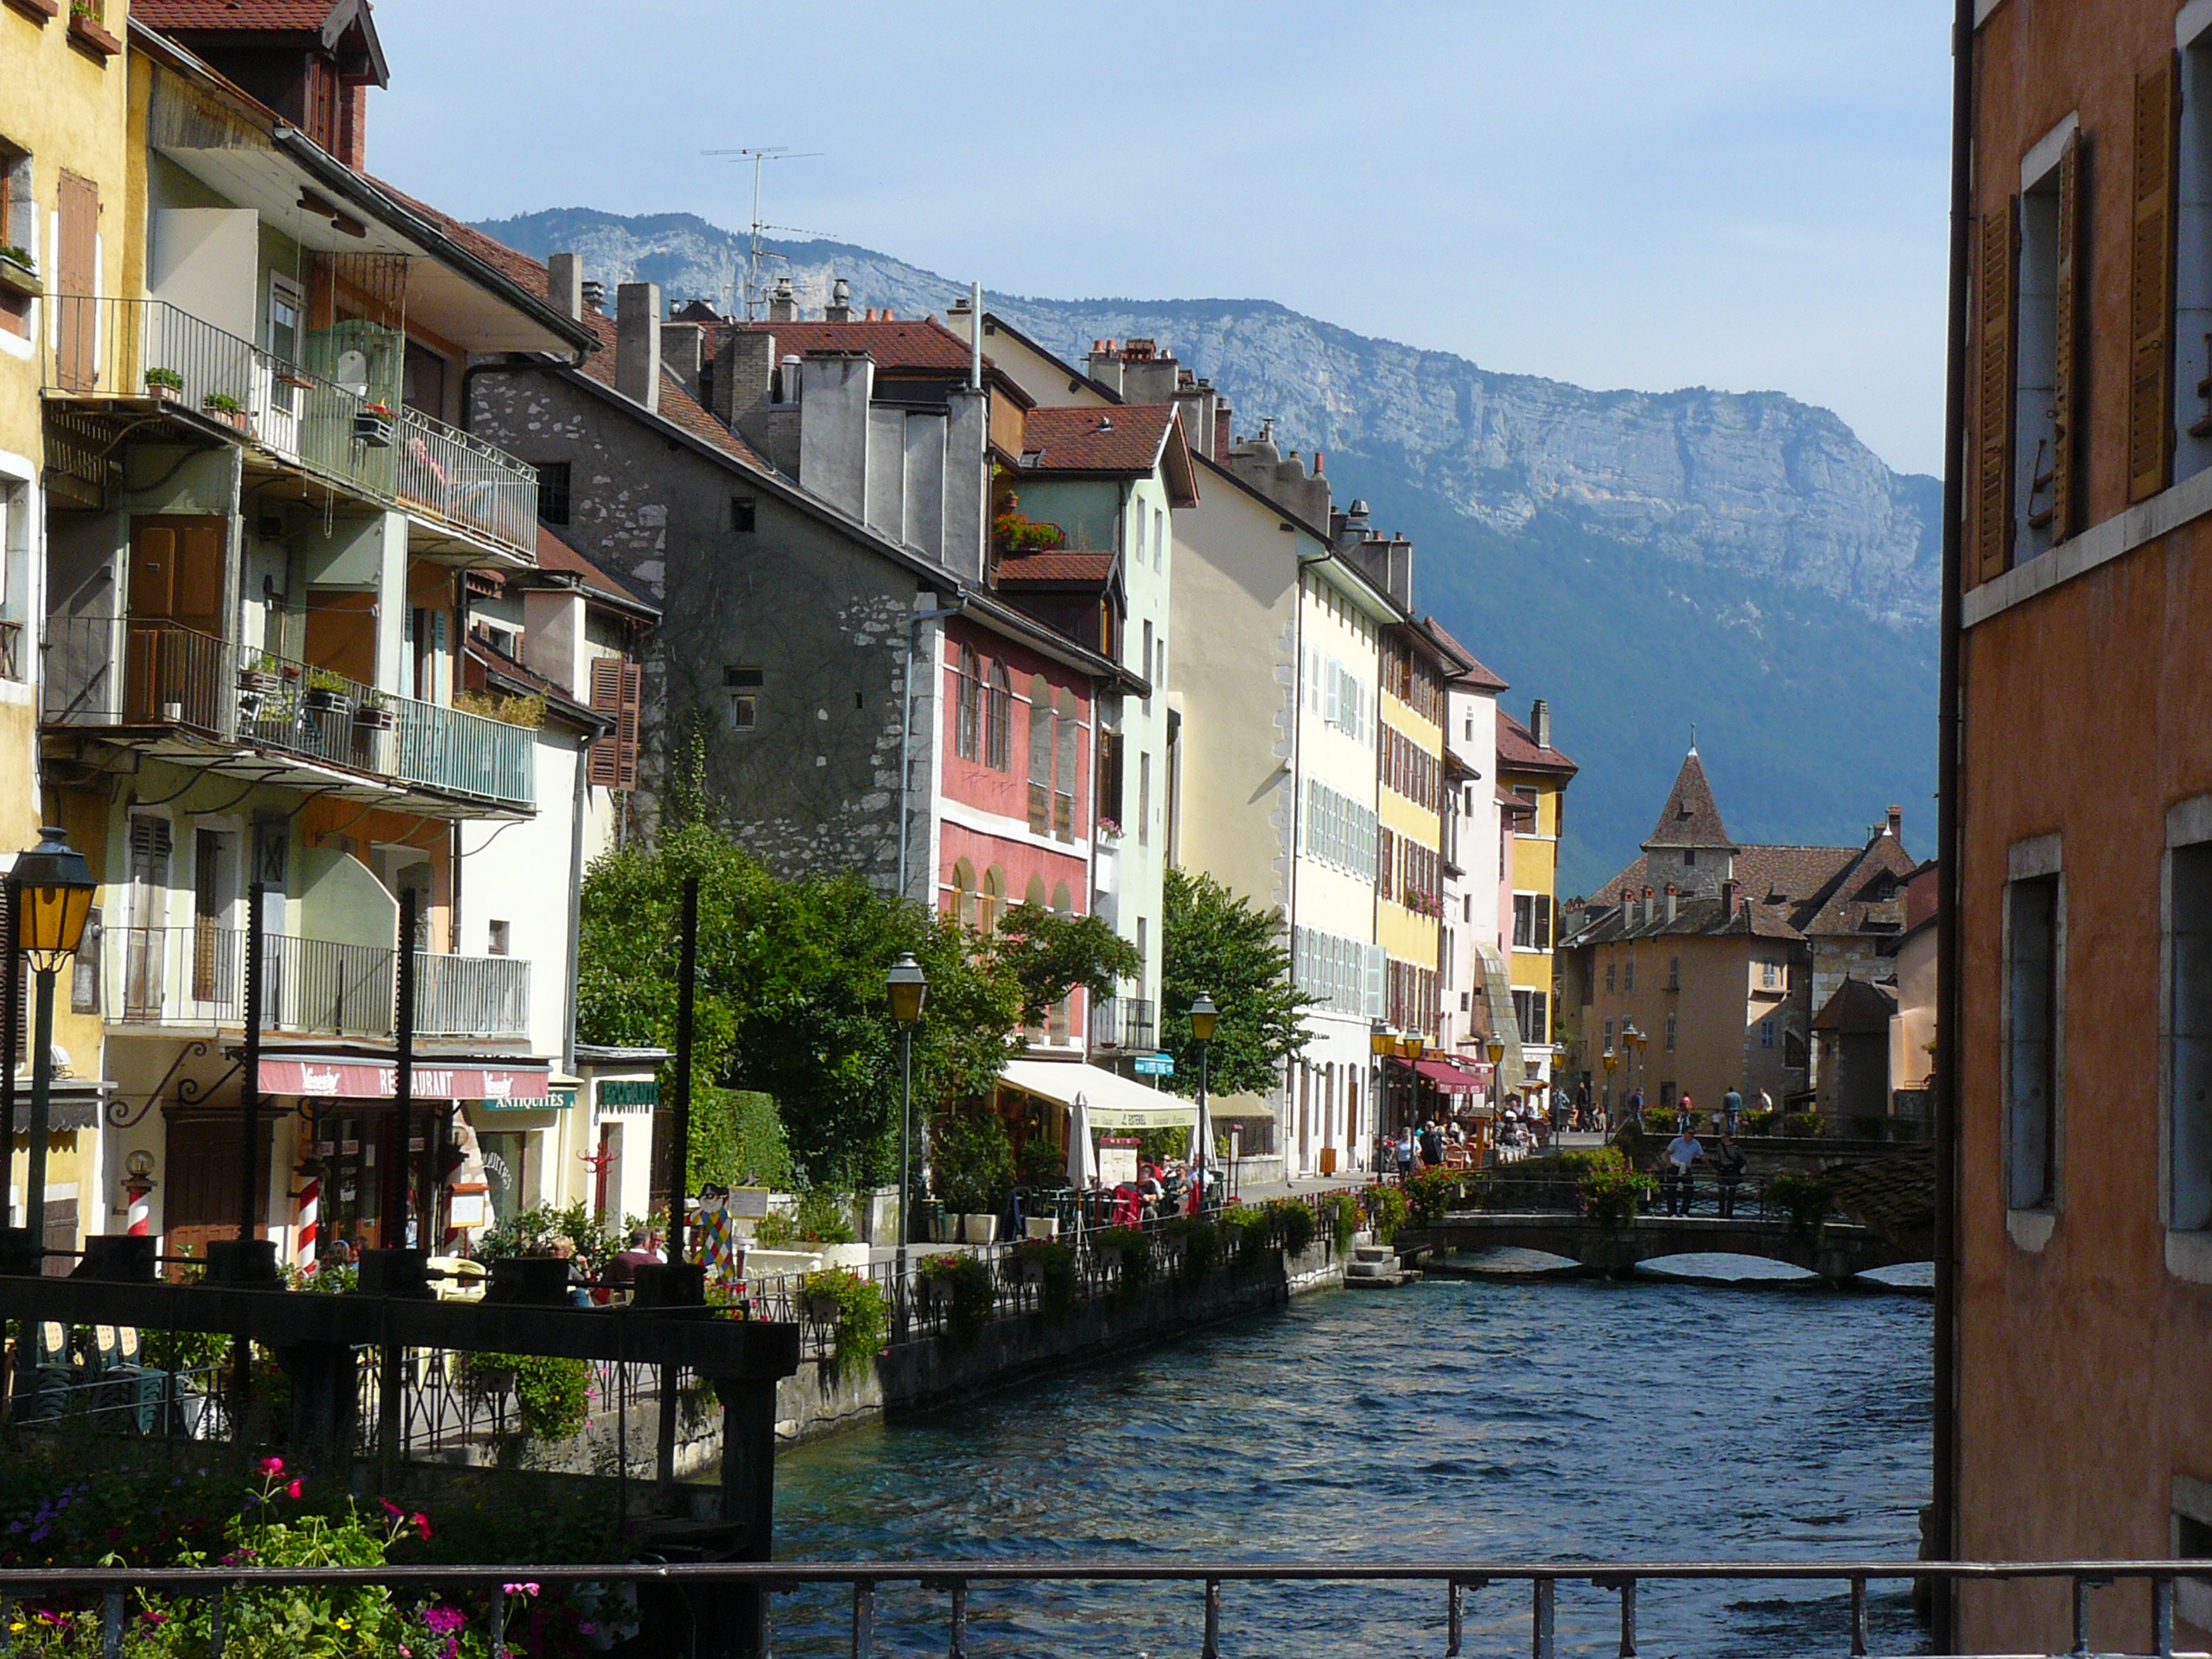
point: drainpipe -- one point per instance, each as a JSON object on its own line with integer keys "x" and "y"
{"x": 906, "y": 734}
{"x": 579, "y": 799}
{"x": 1944, "y": 1486}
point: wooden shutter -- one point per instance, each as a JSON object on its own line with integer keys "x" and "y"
{"x": 2151, "y": 285}
{"x": 76, "y": 279}
{"x": 2065, "y": 482}
{"x": 1995, "y": 290}
{"x": 616, "y": 690}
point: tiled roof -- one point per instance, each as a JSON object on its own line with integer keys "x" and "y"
{"x": 171, "y": 16}
{"x": 554, "y": 553}
{"x": 925, "y": 343}
{"x": 1477, "y": 677}
{"x": 480, "y": 658}
{"x": 1867, "y": 895}
{"x": 1691, "y": 816}
{"x": 1125, "y": 438}
{"x": 1692, "y": 916}
{"x": 1063, "y": 566}
{"x": 1859, "y": 1007}
{"x": 1518, "y": 750}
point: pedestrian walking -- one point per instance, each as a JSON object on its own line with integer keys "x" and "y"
{"x": 1728, "y": 1171}
{"x": 1731, "y": 1112}
{"x": 1635, "y": 1108}
{"x": 1684, "y": 1152}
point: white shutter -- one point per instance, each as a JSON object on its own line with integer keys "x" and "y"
{"x": 1376, "y": 960}
{"x": 1331, "y": 708}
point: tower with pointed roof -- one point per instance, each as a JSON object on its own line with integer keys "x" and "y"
{"x": 1689, "y": 846}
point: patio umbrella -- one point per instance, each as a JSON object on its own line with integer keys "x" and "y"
{"x": 1201, "y": 1147}
{"x": 1082, "y": 1157}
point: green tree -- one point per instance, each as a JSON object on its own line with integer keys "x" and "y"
{"x": 1213, "y": 941}
{"x": 1050, "y": 955}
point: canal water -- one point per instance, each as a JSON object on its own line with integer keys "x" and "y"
{"x": 1454, "y": 1420}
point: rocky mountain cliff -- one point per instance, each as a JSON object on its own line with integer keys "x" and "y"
{"x": 1646, "y": 561}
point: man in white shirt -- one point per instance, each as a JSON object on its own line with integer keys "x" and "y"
{"x": 1685, "y": 1154}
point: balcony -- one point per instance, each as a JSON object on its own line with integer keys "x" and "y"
{"x": 196, "y": 977}
{"x": 1129, "y": 1024}
{"x": 150, "y": 356}
{"x": 190, "y": 697}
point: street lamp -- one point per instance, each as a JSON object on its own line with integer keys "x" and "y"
{"x": 53, "y": 889}
{"x": 1379, "y": 1038}
{"x": 908, "y": 987}
{"x": 1203, "y": 1016}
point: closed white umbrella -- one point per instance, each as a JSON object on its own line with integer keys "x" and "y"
{"x": 1201, "y": 1153}
{"x": 1082, "y": 1157}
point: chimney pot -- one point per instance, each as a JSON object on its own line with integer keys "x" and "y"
{"x": 783, "y": 302}
{"x": 594, "y": 295}
{"x": 840, "y": 308}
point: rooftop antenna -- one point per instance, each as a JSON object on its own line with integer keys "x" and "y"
{"x": 751, "y": 295}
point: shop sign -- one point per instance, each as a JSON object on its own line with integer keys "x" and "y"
{"x": 523, "y": 1088}
{"x": 626, "y": 1096}
{"x": 558, "y": 1100}
{"x": 1155, "y": 1065}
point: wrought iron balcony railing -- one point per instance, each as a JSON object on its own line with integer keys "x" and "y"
{"x": 195, "y": 975}
{"x": 153, "y": 352}
{"x": 123, "y": 672}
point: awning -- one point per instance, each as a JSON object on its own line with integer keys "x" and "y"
{"x": 352, "y": 1079}
{"x": 1241, "y": 1106}
{"x": 1114, "y": 1102}
{"x": 1448, "y": 1078}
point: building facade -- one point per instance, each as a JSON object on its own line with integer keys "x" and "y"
{"x": 1533, "y": 778}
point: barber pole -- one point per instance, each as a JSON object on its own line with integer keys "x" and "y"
{"x": 142, "y": 1211}
{"x": 306, "y": 1203}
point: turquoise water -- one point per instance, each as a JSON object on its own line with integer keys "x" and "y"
{"x": 1453, "y": 1419}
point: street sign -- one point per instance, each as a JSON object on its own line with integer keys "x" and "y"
{"x": 1155, "y": 1065}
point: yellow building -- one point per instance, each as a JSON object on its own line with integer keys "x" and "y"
{"x": 1410, "y": 805}
{"x": 69, "y": 216}
{"x": 1534, "y": 778}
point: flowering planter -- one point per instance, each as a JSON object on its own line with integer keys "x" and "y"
{"x": 371, "y": 429}
{"x": 373, "y": 716}
{"x": 162, "y": 393}
{"x": 18, "y": 279}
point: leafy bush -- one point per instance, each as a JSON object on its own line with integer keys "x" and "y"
{"x": 1341, "y": 1210}
{"x": 1056, "y": 1263}
{"x": 737, "y": 1140}
{"x": 220, "y": 402}
{"x": 552, "y": 1395}
{"x": 1247, "y": 1235}
{"x": 860, "y": 1323}
{"x": 1802, "y": 1126}
{"x": 1041, "y": 1163}
{"x": 1610, "y": 1195}
{"x": 531, "y": 1231}
{"x": 1661, "y": 1119}
{"x": 1135, "y": 1247}
{"x": 823, "y": 1218}
{"x": 1761, "y": 1122}
{"x": 1806, "y": 1199}
{"x": 1387, "y": 1210}
{"x": 1429, "y": 1195}
{"x": 1201, "y": 1244}
{"x": 971, "y": 1160}
{"x": 1293, "y": 1223}
{"x": 972, "y": 1296}
{"x": 168, "y": 378}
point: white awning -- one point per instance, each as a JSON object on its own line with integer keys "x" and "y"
{"x": 1114, "y": 1102}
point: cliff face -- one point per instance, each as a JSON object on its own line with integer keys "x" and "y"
{"x": 1646, "y": 560}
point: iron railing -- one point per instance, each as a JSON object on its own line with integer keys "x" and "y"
{"x": 152, "y": 350}
{"x": 126, "y": 671}
{"x": 1452, "y": 1586}
{"x": 195, "y": 975}
{"x": 1125, "y": 1023}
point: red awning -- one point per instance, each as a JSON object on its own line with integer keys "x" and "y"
{"x": 1448, "y": 1078}
{"x": 353, "y": 1079}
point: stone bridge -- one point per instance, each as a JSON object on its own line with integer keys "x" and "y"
{"x": 1834, "y": 1250}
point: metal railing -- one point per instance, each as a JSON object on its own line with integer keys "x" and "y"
{"x": 195, "y": 975}
{"x": 11, "y": 651}
{"x": 153, "y": 351}
{"x": 1126, "y": 1022}
{"x": 100, "y": 1596}
{"x": 113, "y": 671}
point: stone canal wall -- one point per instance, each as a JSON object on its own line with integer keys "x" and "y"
{"x": 934, "y": 1371}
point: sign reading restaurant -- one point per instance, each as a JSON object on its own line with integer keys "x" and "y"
{"x": 375, "y": 1080}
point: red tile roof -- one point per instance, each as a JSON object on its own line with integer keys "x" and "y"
{"x": 554, "y": 553}
{"x": 1476, "y": 677}
{"x": 925, "y": 343}
{"x": 174, "y": 15}
{"x": 1517, "y": 749}
{"x": 1127, "y": 438}
{"x": 1065, "y": 565}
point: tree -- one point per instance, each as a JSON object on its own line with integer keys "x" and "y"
{"x": 1050, "y": 955}
{"x": 1213, "y": 941}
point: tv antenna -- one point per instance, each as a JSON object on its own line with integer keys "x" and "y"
{"x": 751, "y": 296}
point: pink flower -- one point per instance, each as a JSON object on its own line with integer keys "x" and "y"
{"x": 422, "y": 1523}
{"x": 272, "y": 1467}
{"x": 390, "y": 1508}
{"x": 519, "y": 1589}
{"x": 293, "y": 1491}
{"x": 444, "y": 1620}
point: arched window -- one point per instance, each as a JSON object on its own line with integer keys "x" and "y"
{"x": 1040, "y": 756}
{"x": 1063, "y": 788}
{"x": 1034, "y": 895}
{"x": 1062, "y": 901}
{"x": 992, "y": 906}
{"x": 967, "y": 714}
{"x": 963, "y": 892}
{"x": 998, "y": 721}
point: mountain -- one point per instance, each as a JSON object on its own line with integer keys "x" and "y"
{"x": 1649, "y": 563}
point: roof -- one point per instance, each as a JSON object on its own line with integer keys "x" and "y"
{"x": 233, "y": 14}
{"x": 1857, "y": 1008}
{"x": 1087, "y": 568}
{"x": 558, "y": 556}
{"x": 494, "y": 664}
{"x": 1128, "y": 439}
{"x": 925, "y": 343}
{"x": 1518, "y": 750}
{"x": 1707, "y": 917}
{"x": 1475, "y": 676}
{"x": 1691, "y": 816}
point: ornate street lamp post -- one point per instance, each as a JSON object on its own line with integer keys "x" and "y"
{"x": 1494, "y": 1050}
{"x": 1611, "y": 1061}
{"x": 1203, "y": 1016}
{"x": 51, "y": 889}
{"x": 1379, "y": 1038}
{"x": 908, "y": 987}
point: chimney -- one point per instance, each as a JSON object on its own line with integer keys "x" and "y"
{"x": 1674, "y": 899}
{"x": 594, "y": 295}
{"x": 1539, "y": 723}
{"x": 1896, "y": 824}
{"x": 1650, "y": 904}
{"x": 1222, "y": 415}
{"x": 783, "y": 304}
{"x": 683, "y": 348}
{"x": 637, "y": 343}
{"x": 1104, "y": 364}
{"x": 564, "y": 283}
{"x": 835, "y": 389}
{"x": 1729, "y": 890}
{"x": 353, "y": 127}
{"x": 840, "y": 308}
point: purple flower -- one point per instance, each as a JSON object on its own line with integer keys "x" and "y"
{"x": 444, "y": 1620}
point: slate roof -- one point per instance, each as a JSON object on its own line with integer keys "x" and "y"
{"x": 1127, "y": 439}
{"x": 1517, "y": 750}
{"x": 1691, "y": 816}
{"x": 1858, "y": 1009}
{"x": 1705, "y": 917}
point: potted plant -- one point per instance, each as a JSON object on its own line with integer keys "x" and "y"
{"x": 164, "y": 386}
{"x": 18, "y": 274}
{"x": 224, "y": 407}
{"x": 372, "y": 426}
{"x": 259, "y": 678}
{"x": 373, "y": 713}
{"x": 329, "y": 693}
{"x": 289, "y": 374}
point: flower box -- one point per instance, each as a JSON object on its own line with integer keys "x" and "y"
{"x": 373, "y": 716}
{"x": 261, "y": 683}
{"x": 18, "y": 278}
{"x": 372, "y": 427}
{"x": 88, "y": 32}
{"x": 323, "y": 700}
{"x": 295, "y": 379}
{"x": 40, "y": 12}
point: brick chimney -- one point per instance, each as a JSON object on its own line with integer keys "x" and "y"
{"x": 1222, "y": 434}
{"x": 1896, "y": 824}
{"x": 1729, "y": 889}
{"x": 1539, "y": 723}
{"x": 564, "y": 283}
{"x": 637, "y": 343}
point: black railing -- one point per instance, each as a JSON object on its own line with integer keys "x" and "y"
{"x": 1125, "y": 1023}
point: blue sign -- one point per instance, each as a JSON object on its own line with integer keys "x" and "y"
{"x": 1155, "y": 1065}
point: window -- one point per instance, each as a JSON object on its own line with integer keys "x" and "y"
{"x": 1146, "y": 667}
{"x": 498, "y": 946}
{"x": 743, "y": 514}
{"x": 1524, "y": 921}
{"x": 1063, "y": 788}
{"x": 992, "y": 905}
{"x": 1107, "y": 808}
{"x": 1690, "y": 858}
{"x": 1672, "y": 1026}
{"x": 967, "y": 706}
{"x": 1628, "y": 974}
{"x": 285, "y": 306}
{"x": 553, "y": 491}
{"x": 19, "y": 219}
{"x": 1609, "y": 1033}
{"x": 1609, "y": 976}
{"x": 744, "y": 685}
{"x": 1529, "y": 1013}
{"x": 2046, "y": 273}
{"x": 963, "y": 891}
{"x": 1766, "y": 1034}
{"x": 2190, "y": 1042}
{"x": 1769, "y": 975}
{"x": 998, "y": 721}
{"x": 1674, "y": 973}
{"x": 1040, "y": 756}
{"x": 2031, "y": 1002}
{"x": 1158, "y": 539}
{"x": 1144, "y": 799}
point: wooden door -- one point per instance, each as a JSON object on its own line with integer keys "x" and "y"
{"x": 76, "y": 279}
{"x": 175, "y": 621}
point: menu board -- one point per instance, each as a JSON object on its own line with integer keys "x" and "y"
{"x": 1117, "y": 1160}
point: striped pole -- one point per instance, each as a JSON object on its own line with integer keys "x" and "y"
{"x": 306, "y": 1203}
{"x": 142, "y": 1211}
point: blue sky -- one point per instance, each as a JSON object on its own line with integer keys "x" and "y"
{"x": 1742, "y": 196}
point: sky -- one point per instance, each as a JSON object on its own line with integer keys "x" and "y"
{"x": 1744, "y": 197}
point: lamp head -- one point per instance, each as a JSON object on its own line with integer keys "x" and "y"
{"x": 53, "y": 896}
{"x": 1496, "y": 1048}
{"x": 1415, "y": 1043}
{"x": 908, "y": 987}
{"x": 1611, "y": 1059}
{"x": 1203, "y": 1016}
{"x": 1379, "y": 1038}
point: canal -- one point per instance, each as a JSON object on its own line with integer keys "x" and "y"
{"x": 1455, "y": 1418}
